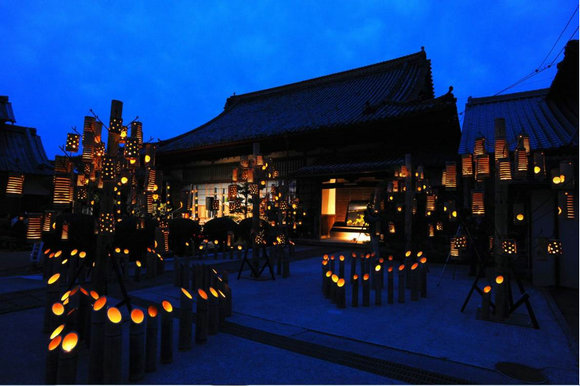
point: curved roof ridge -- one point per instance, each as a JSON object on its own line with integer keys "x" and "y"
{"x": 506, "y": 97}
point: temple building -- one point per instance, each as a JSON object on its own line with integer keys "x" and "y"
{"x": 531, "y": 139}
{"x": 332, "y": 140}
{"x": 25, "y": 172}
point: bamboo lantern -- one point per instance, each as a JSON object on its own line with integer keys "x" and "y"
{"x": 14, "y": 185}
{"x": 253, "y": 188}
{"x": 539, "y": 165}
{"x": 235, "y": 175}
{"x": 81, "y": 193}
{"x": 430, "y": 204}
{"x": 521, "y": 160}
{"x": 460, "y": 242}
{"x": 259, "y": 160}
{"x": 99, "y": 150}
{"x": 62, "y": 165}
{"x": 466, "y": 165}
{"x": 116, "y": 125}
{"x": 137, "y": 131}
{"x": 501, "y": 148}
{"x": 477, "y": 204}
{"x": 479, "y": 147}
{"x": 451, "y": 210}
{"x": 166, "y": 332}
{"x": 518, "y": 213}
{"x": 88, "y": 127}
{"x": 151, "y": 338}
{"x": 526, "y": 142}
{"x": 112, "y": 365}
{"x": 431, "y": 230}
{"x": 504, "y": 169}
{"x": 81, "y": 180}
{"x": 450, "y": 175}
{"x": 67, "y": 361}
{"x": 106, "y": 223}
{"x": 149, "y": 159}
{"x": 88, "y": 153}
{"x": 444, "y": 177}
{"x": 215, "y": 205}
{"x": 392, "y": 228}
{"x": 132, "y": 147}
{"x": 570, "y": 207}
{"x": 554, "y": 247}
{"x": 566, "y": 174}
{"x": 151, "y": 185}
{"x": 150, "y": 204}
{"x": 72, "y": 142}
{"x": 419, "y": 174}
{"x": 47, "y": 221}
{"x": 453, "y": 251}
{"x": 232, "y": 192}
{"x": 108, "y": 168}
{"x": 63, "y": 190}
{"x": 482, "y": 166}
{"x": 34, "y": 230}
{"x": 509, "y": 247}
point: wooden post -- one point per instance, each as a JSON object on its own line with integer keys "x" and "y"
{"x": 112, "y": 367}
{"x": 97, "y": 347}
{"x": 185, "y": 320}
{"x": 166, "y": 332}
{"x": 201, "y": 317}
{"x": 136, "y": 346}
{"x": 151, "y": 339}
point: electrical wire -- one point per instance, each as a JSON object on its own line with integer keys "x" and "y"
{"x": 559, "y": 36}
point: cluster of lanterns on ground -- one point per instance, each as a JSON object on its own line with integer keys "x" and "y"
{"x": 411, "y": 275}
{"x": 79, "y": 316}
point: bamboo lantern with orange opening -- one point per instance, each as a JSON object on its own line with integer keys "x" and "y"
{"x": 213, "y": 311}
{"x": 554, "y": 247}
{"x": 222, "y": 303}
{"x": 485, "y": 303}
{"x": 58, "y": 316}
{"x": 324, "y": 269}
{"x": 151, "y": 336}
{"x": 112, "y": 366}
{"x": 377, "y": 284}
{"x": 202, "y": 317}
{"x": 354, "y": 283}
{"x": 166, "y": 332}
{"x": 333, "y": 288}
{"x": 341, "y": 297}
{"x": 450, "y": 176}
{"x": 352, "y": 264}
{"x": 97, "y": 336}
{"x": 467, "y": 165}
{"x": 423, "y": 276}
{"x": 482, "y": 168}
{"x": 539, "y": 167}
{"x": 401, "y": 284}
{"x": 185, "y": 320}
{"x": 327, "y": 284}
{"x": 62, "y": 190}
{"x": 72, "y": 142}
{"x": 366, "y": 290}
{"x": 51, "y": 371}
{"x": 137, "y": 345}
{"x": 332, "y": 263}
{"x": 477, "y": 203}
{"x": 519, "y": 215}
{"x": 67, "y": 361}
{"x": 479, "y": 147}
{"x": 509, "y": 247}
{"x": 521, "y": 162}
{"x": 415, "y": 282}
{"x": 570, "y": 205}
{"x": 229, "y": 304}
{"x": 14, "y": 185}
{"x": 390, "y": 285}
{"x": 500, "y": 298}
{"x": 504, "y": 170}
{"x": 34, "y": 230}
{"x": 52, "y": 290}
{"x": 341, "y": 266}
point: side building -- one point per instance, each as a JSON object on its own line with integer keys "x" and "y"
{"x": 333, "y": 140}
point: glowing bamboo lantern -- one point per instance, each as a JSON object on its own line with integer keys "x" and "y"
{"x": 185, "y": 320}
{"x": 482, "y": 167}
{"x": 136, "y": 346}
{"x": 415, "y": 282}
{"x": 430, "y": 230}
{"x": 151, "y": 336}
{"x": 229, "y": 303}
{"x": 253, "y": 188}
{"x": 132, "y": 147}
{"x": 115, "y": 124}
{"x": 479, "y": 147}
{"x": 401, "y": 283}
{"x": 477, "y": 204}
{"x": 390, "y": 285}
{"x": 327, "y": 284}
{"x": 501, "y": 148}
{"x": 485, "y": 303}
{"x": 341, "y": 266}
{"x": 354, "y": 297}
{"x": 504, "y": 169}
{"x": 34, "y": 230}
{"x": 423, "y": 276}
{"x": 97, "y": 347}
{"x": 519, "y": 216}
{"x": 52, "y": 290}
{"x": 366, "y": 290}
{"x": 509, "y": 247}
{"x": 213, "y": 311}
{"x": 521, "y": 161}
{"x": 554, "y": 247}
{"x": 341, "y": 297}
{"x": 166, "y": 332}
{"x": 333, "y": 288}
{"x": 62, "y": 190}
{"x": 453, "y": 251}
{"x": 460, "y": 242}
{"x": 47, "y": 221}
{"x": 566, "y": 174}
{"x": 377, "y": 284}
{"x": 112, "y": 367}
{"x": 67, "y": 361}
{"x": 450, "y": 176}
{"x": 539, "y": 165}
{"x": 352, "y": 264}
{"x": 72, "y": 142}
{"x": 500, "y": 298}
{"x": 14, "y": 185}
{"x": 222, "y": 304}
{"x": 467, "y": 165}
{"x": 202, "y": 317}
{"x": 51, "y": 371}
{"x": 106, "y": 222}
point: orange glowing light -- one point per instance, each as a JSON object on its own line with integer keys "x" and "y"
{"x": 408, "y": 253}
{"x": 222, "y": 294}
{"x": 340, "y": 283}
{"x": 213, "y": 292}
{"x": 126, "y": 251}
{"x": 325, "y": 257}
{"x": 83, "y": 254}
{"x": 54, "y": 343}
{"x": 57, "y": 331}
{"x": 138, "y": 263}
{"x": 64, "y": 262}
{"x": 137, "y": 316}
{"x": 65, "y": 296}
{"x": 202, "y": 294}
{"x": 328, "y": 273}
{"x": 100, "y": 303}
{"x": 324, "y": 262}
{"x": 94, "y": 295}
{"x": 401, "y": 267}
{"x": 391, "y": 258}
{"x": 420, "y": 253}
{"x": 147, "y": 158}
{"x": 335, "y": 278}
{"x": 520, "y": 217}
{"x": 487, "y": 289}
{"x": 423, "y": 260}
{"x": 117, "y": 250}
{"x": 332, "y": 257}
{"x": 47, "y": 251}
{"x": 124, "y": 180}
{"x": 341, "y": 258}
{"x": 390, "y": 269}
{"x": 355, "y": 277}
{"x": 53, "y": 278}
{"x": 74, "y": 252}
{"x": 70, "y": 341}
{"x": 114, "y": 315}
{"x": 57, "y": 309}
{"x": 84, "y": 291}
{"x": 378, "y": 268}
{"x": 152, "y": 311}
{"x": 58, "y": 253}
{"x": 499, "y": 279}
{"x": 366, "y": 276}
{"x": 167, "y": 306}
{"x": 414, "y": 266}
{"x": 186, "y": 293}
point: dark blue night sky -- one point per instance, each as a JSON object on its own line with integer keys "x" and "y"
{"x": 174, "y": 63}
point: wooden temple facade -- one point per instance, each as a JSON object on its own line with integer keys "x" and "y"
{"x": 333, "y": 139}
